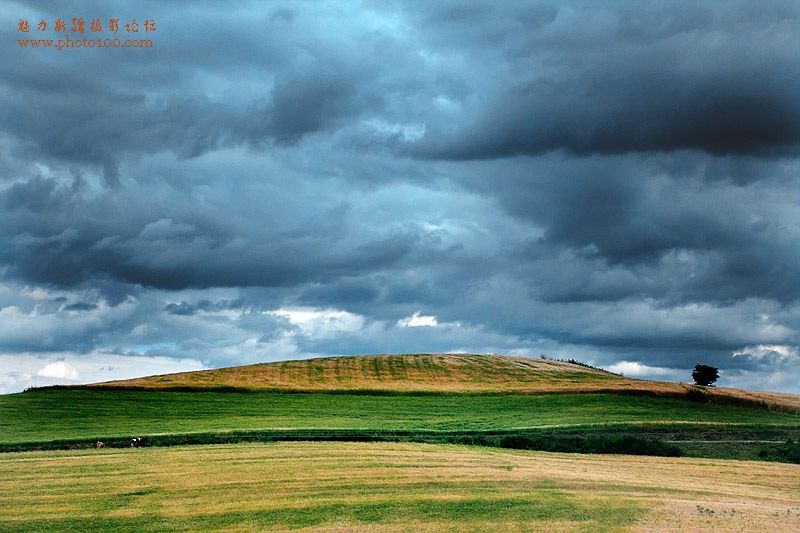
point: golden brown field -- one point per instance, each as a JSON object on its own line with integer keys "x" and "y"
{"x": 435, "y": 373}
{"x": 388, "y": 487}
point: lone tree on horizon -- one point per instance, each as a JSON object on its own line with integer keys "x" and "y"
{"x": 705, "y": 375}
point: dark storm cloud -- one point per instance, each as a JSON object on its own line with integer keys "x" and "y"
{"x": 97, "y": 110}
{"x": 58, "y": 236}
{"x": 100, "y": 129}
{"x": 80, "y": 306}
{"x": 626, "y": 108}
{"x": 613, "y": 227}
{"x": 187, "y": 309}
{"x": 349, "y": 292}
{"x": 720, "y": 77}
{"x": 526, "y": 79}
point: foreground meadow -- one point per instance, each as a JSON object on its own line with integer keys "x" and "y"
{"x": 387, "y": 486}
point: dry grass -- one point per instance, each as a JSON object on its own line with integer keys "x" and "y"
{"x": 388, "y": 487}
{"x": 436, "y": 373}
{"x": 419, "y": 372}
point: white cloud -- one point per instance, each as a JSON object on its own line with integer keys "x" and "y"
{"x": 406, "y": 132}
{"x": 638, "y": 370}
{"x": 768, "y": 351}
{"x": 417, "y": 320}
{"x": 321, "y": 323}
{"x": 765, "y": 367}
{"x": 59, "y": 370}
{"x": 20, "y": 371}
{"x": 778, "y": 380}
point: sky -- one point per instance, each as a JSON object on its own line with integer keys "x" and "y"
{"x": 615, "y": 182}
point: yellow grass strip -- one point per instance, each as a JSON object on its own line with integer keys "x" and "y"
{"x": 437, "y": 373}
{"x": 389, "y": 487}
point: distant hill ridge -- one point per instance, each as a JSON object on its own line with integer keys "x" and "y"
{"x": 401, "y": 372}
{"x": 436, "y": 373}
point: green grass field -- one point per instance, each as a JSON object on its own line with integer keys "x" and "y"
{"x": 62, "y": 414}
{"x": 432, "y": 398}
{"x": 86, "y": 415}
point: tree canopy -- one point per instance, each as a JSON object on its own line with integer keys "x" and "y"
{"x": 705, "y": 375}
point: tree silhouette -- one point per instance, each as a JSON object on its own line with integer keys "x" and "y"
{"x": 705, "y": 375}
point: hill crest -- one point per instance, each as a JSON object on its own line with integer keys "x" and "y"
{"x": 437, "y": 373}
{"x": 389, "y": 372}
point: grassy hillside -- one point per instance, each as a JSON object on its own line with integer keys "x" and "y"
{"x": 493, "y": 400}
{"x": 387, "y": 487}
{"x": 63, "y": 414}
{"x": 457, "y": 373}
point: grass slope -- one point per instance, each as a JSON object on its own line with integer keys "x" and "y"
{"x": 31, "y": 420}
{"x": 456, "y": 373}
{"x": 387, "y": 487}
{"x": 85, "y": 413}
{"x": 494, "y": 401}
{"x": 399, "y": 373}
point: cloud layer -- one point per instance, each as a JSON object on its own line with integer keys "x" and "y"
{"x": 611, "y": 182}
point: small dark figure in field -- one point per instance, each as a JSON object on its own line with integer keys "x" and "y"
{"x": 99, "y": 444}
{"x": 705, "y": 375}
{"x": 139, "y": 442}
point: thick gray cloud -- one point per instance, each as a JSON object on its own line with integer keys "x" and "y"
{"x": 622, "y": 77}
{"x": 615, "y": 182}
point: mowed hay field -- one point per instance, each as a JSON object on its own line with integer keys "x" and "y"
{"x": 403, "y": 372}
{"x": 387, "y": 487}
{"x": 458, "y": 373}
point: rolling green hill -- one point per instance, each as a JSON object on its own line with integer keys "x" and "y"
{"x": 494, "y": 400}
